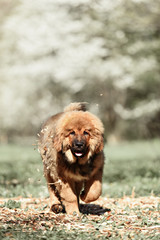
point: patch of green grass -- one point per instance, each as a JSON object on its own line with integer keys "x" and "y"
{"x": 53, "y": 234}
{"x": 11, "y": 204}
{"x": 132, "y": 166}
{"x": 21, "y": 172}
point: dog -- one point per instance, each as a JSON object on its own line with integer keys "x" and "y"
{"x": 71, "y": 146}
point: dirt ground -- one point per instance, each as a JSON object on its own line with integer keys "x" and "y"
{"x": 127, "y": 215}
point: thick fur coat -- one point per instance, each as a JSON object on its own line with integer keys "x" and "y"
{"x": 71, "y": 147}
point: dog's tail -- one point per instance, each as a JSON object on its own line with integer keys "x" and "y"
{"x": 77, "y": 106}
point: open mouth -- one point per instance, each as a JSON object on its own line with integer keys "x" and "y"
{"x": 78, "y": 154}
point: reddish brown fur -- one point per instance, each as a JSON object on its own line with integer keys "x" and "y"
{"x": 66, "y": 173}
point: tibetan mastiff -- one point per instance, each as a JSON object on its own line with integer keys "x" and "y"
{"x": 71, "y": 147}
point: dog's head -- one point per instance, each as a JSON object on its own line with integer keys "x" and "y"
{"x": 79, "y": 135}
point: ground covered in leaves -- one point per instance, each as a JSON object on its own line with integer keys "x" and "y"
{"x": 121, "y": 218}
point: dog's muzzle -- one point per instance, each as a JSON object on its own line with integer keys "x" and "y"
{"x": 78, "y": 148}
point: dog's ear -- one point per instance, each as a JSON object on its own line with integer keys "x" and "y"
{"x": 100, "y": 144}
{"x": 96, "y": 141}
{"x": 57, "y": 142}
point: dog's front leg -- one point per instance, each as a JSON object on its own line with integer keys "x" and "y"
{"x": 92, "y": 187}
{"x": 69, "y": 198}
{"x": 54, "y": 202}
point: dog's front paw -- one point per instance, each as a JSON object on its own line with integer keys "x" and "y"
{"x": 57, "y": 208}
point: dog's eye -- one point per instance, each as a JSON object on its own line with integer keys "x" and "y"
{"x": 85, "y": 133}
{"x": 72, "y": 133}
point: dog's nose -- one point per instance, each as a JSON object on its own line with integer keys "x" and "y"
{"x": 79, "y": 144}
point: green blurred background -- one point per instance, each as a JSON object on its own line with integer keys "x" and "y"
{"x": 106, "y": 53}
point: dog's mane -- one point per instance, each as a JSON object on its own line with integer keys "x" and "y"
{"x": 78, "y": 106}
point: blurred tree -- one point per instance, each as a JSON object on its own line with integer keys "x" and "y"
{"x": 103, "y": 52}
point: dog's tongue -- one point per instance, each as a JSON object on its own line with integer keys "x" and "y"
{"x": 78, "y": 154}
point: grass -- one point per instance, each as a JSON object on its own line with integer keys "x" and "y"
{"x": 131, "y": 168}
